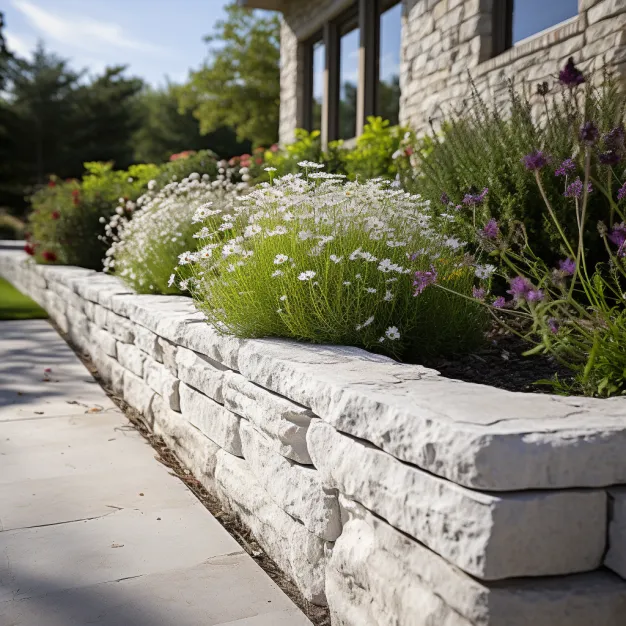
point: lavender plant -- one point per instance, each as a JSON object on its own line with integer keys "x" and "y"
{"x": 317, "y": 259}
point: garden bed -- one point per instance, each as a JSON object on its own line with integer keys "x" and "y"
{"x": 387, "y": 491}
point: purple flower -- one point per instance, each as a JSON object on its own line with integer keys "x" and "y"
{"x": 535, "y": 160}
{"x": 614, "y": 139}
{"x": 553, "y": 325}
{"x": 565, "y": 168}
{"x": 575, "y": 189}
{"x": 424, "y": 279}
{"x": 568, "y": 267}
{"x": 589, "y": 133}
{"x": 534, "y": 295}
{"x": 491, "y": 229}
{"x": 618, "y": 234}
{"x": 610, "y": 157}
{"x": 479, "y": 293}
{"x": 499, "y": 303}
{"x": 621, "y": 194}
{"x": 570, "y": 75}
{"x": 445, "y": 199}
{"x": 520, "y": 287}
{"x": 475, "y": 199}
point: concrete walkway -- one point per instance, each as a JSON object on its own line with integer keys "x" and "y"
{"x": 93, "y": 529}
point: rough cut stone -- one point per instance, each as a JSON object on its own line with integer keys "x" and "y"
{"x": 489, "y": 535}
{"x": 297, "y": 551}
{"x": 283, "y": 421}
{"x": 194, "y": 449}
{"x": 101, "y": 316}
{"x": 200, "y": 372}
{"x": 296, "y": 489}
{"x": 377, "y": 576}
{"x": 616, "y": 554}
{"x": 137, "y": 393}
{"x": 163, "y": 382}
{"x": 110, "y": 370}
{"x": 474, "y": 435}
{"x": 168, "y": 355}
{"x": 121, "y": 328}
{"x": 104, "y": 340}
{"x": 131, "y": 358}
{"x": 211, "y": 418}
{"x": 148, "y": 342}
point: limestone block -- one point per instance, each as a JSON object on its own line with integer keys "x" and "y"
{"x": 90, "y": 309}
{"x": 474, "y": 435}
{"x": 283, "y": 421}
{"x": 211, "y": 418}
{"x": 296, "y": 489}
{"x": 604, "y": 10}
{"x": 616, "y": 554}
{"x": 376, "y": 576}
{"x": 110, "y": 370}
{"x": 121, "y": 328}
{"x": 601, "y": 29}
{"x": 201, "y": 372}
{"x": 297, "y": 552}
{"x": 148, "y": 342}
{"x": 131, "y": 358}
{"x": 489, "y": 535}
{"x": 167, "y": 350}
{"x": 100, "y": 316}
{"x": 194, "y": 449}
{"x": 137, "y": 393}
{"x": 104, "y": 340}
{"x": 163, "y": 382}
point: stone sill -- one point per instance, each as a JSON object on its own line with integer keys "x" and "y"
{"x": 534, "y": 43}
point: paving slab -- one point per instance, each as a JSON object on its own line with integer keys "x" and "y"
{"x": 93, "y": 529}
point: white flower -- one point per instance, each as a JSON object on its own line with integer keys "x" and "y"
{"x": 279, "y": 259}
{"x": 270, "y": 169}
{"x": 308, "y": 275}
{"x": 336, "y": 259}
{"x": 370, "y": 290}
{"x": 250, "y": 231}
{"x": 282, "y": 298}
{"x": 277, "y": 273}
{"x": 185, "y": 258}
{"x": 170, "y": 282}
{"x": 484, "y": 271}
{"x": 392, "y": 333}
{"x": 279, "y": 230}
{"x": 184, "y": 285}
{"x": 279, "y": 311}
{"x": 388, "y": 296}
{"x": 310, "y": 164}
{"x": 453, "y": 242}
{"x": 367, "y": 322}
{"x": 347, "y": 283}
{"x": 305, "y": 234}
{"x": 151, "y": 186}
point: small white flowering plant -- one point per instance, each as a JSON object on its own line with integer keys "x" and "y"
{"x": 152, "y": 237}
{"x": 318, "y": 259}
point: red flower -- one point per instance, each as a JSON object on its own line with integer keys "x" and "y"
{"x": 233, "y": 161}
{"x": 274, "y": 147}
{"x": 29, "y": 249}
{"x": 55, "y": 215}
{"x": 49, "y": 256}
{"x": 259, "y": 161}
{"x": 244, "y": 163}
{"x": 51, "y": 183}
{"x": 75, "y": 197}
{"x": 408, "y": 151}
{"x": 245, "y": 156}
{"x": 182, "y": 155}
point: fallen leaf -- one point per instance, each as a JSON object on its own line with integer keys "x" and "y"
{"x": 117, "y": 545}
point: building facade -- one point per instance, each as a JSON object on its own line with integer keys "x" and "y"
{"x": 411, "y": 60}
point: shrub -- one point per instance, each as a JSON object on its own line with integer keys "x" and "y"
{"x": 183, "y": 164}
{"x": 483, "y": 147}
{"x": 146, "y": 247}
{"x": 327, "y": 262}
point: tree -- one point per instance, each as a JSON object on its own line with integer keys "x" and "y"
{"x": 239, "y": 85}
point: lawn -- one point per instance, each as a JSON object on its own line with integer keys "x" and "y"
{"x": 16, "y": 306}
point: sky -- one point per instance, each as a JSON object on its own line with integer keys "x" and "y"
{"x": 158, "y": 39}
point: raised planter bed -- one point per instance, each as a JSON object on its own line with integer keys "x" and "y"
{"x": 393, "y": 494}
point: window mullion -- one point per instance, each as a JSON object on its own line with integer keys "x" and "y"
{"x": 330, "y": 105}
{"x": 368, "y": 61}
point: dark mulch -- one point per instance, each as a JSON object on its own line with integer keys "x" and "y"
{"x": 501, "y": 363}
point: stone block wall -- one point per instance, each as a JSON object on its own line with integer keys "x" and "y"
{"x": 384, "y": 490}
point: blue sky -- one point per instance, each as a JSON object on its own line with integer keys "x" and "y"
{"x": 156, "y": 38}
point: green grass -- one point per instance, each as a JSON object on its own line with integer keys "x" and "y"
{"x": 14, "y": 305}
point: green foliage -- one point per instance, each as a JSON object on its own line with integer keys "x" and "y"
{"x": 16, "y": 306}
{"x": 10, "y": 226}
{"x": 183, "y": 164}
{"x": 239, "y": 85}
{"x": 327, "y": 263}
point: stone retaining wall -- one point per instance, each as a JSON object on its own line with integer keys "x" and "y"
{"x": 393, "y": 494}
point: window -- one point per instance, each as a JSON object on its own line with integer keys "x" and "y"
{"x": 349, "y": 53}
{"x": 388, "y": 91}
{"x": 317, "y": 88}
{"x": 515, "y": 20}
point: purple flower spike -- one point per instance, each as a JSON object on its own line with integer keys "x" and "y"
{"x": 553, "y": 326}
{"x": 424, "y": 279}
{"x": 520, "y": 287}
{"x": 491, "y": 229}
{"x": 479, "y": 293}
{"x": 535, "y": 160}
{"x": 589, "y": 133}
{"x": 475, "y": 199}
{"x": 614, "y": 139}
{"x": 499, "y": 303}
{"x": 621, "y": 194}
{"x": 610, "y": 157}
{"x": 568, "y": 267}
{"x": 445, "y": 199}
{"x": 570, "y": 75}
{"x": 575, "y": 189}
{"x": 618, "y": 235}
{"x": 565, "y": 168}
{"x": 534, "y": 295}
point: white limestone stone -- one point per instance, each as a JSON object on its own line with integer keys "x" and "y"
{"x": 616, "y": 554}
{"x": 211, "y": 418}
{"x": 167, "y": 349}
{"x": 90, "y": 309}
{"x": 110, "y": 370}
{"x": 131, "y": 358}
{"x": 295, "y": 488}
{"x": 377, "y": 576}
{"x": 489, "y": 535}
{"x": 477, "y": 436}
{"x": 163, "y": 382}
{"x": 148, "y": 342}
{"x": 100, "y": 316}
{"x": 104, "y": 340}
{"x": 298, "y": 552}
{"x": 137, "y": 393}
{"x": 283, "y": 421}
{"x": 121, "y": 328}
{"x": 201, "y": 372}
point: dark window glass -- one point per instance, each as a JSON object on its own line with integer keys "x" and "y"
{"x": 533, "y": 16}
{"x": 348, "y": 81}
{"x": 319, "y": 55}
{"x": 388, "y": 94}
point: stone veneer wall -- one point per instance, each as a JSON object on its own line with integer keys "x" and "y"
{"x": 385, "y": 490}
{"x": 444, "y": 39}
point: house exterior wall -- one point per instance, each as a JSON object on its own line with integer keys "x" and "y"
{"x": 443, "y": 40}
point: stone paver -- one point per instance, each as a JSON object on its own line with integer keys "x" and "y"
{"x": 92, "y": 528}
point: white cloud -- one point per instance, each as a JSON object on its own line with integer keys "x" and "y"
{"x": 21, "y": 46}
{"x": 81, "y": 32}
